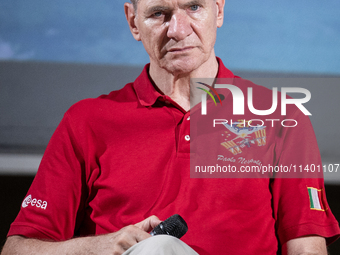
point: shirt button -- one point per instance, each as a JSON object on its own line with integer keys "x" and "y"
{"x": 187, "y": 138}
{"x": 188, "y": 118}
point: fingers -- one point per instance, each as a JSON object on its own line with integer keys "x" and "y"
{"x": 149, "y": 223}
{"x": 123, "y": 239}
{"x": 131, "y": 235}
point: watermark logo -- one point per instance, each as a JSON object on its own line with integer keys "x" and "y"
{"x": 204, "y": 96}
{"x": 208, "y": 92}
{"x": 239, "y": 99}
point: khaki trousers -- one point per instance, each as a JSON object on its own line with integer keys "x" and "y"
{"x": 161, "y": 245}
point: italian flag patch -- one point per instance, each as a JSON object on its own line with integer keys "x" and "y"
{"x": 316, "y": 199}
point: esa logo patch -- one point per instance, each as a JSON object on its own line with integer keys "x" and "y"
{"x": 34, "y": 202}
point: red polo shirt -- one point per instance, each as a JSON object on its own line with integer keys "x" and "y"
{"x": 119, "y": 158}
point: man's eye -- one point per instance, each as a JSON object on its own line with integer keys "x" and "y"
{"x": 157, "y": 14}
{"x": 194, "y": 7}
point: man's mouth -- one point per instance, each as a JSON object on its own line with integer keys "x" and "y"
{"x": 180, "y": 50}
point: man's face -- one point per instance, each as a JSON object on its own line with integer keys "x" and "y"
{"x": 178, "y": 35}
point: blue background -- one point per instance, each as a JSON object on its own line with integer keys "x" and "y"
{"x": 286, "y": 36}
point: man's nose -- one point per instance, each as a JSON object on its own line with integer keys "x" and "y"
{"x": 179, "y": 26}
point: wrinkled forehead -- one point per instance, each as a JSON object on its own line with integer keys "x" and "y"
{"x": 135, "y": 2}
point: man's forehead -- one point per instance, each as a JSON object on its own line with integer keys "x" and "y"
{"x": 149, "y": 3}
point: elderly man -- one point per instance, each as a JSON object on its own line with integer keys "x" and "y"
{"x": 116, "y": 161}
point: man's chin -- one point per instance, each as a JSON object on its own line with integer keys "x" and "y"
{"x": 182, "y": 65}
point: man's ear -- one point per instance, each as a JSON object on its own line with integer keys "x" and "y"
{"x": 220, "y": 12}
{"x": 130, "y": 15}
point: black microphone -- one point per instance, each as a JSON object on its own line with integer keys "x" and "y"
{"x": 175, "y": 226}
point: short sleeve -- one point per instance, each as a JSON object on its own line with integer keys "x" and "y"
{"x": 299, "y": 204}
{"x": 53, "y": 207}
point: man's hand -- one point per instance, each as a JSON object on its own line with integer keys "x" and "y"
{"x": 110, "y": 244}
{"x": 118, "y": 242}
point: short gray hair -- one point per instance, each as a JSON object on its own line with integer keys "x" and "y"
{"x": 134, "y": 2}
